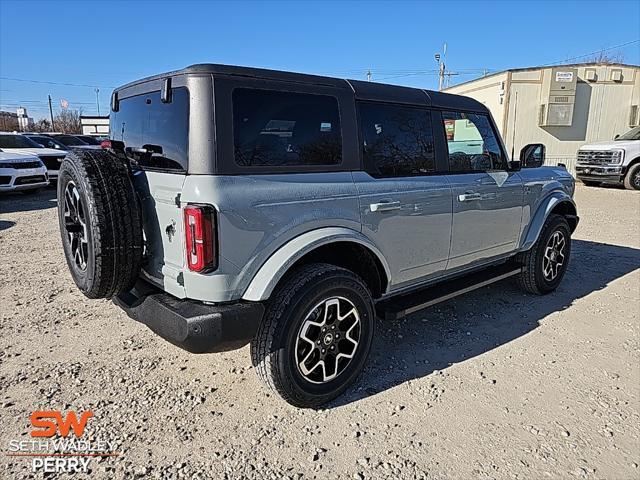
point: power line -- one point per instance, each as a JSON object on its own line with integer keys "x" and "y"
{"x": 593, "y": 53}
{"x": 56, "y": 83}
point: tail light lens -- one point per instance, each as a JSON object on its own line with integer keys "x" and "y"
{"x": 106, "y": 144}
{"x": 199, "y": 227}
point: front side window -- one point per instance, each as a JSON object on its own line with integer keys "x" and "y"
{"x": 273, "y": 128}
{"x": 397, "y": 141}
{"x": 155, "y": 134}
{"x": 473, "y": 146}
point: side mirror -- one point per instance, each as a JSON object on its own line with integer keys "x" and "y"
{"x": 532, "y": 155}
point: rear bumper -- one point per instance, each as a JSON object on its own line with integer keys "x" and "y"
{"x": 189, "y": 324}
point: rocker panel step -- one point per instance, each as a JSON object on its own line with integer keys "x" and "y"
{"x": 403, "y": 305}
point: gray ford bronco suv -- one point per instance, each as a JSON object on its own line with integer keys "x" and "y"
{"x": 238, "y": 205}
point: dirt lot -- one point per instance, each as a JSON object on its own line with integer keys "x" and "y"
{"x": 496, "y": 384}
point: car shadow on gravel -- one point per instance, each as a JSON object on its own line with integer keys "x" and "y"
{"x": 470, "y": 325}
{"x": 5, "y": 225}
{"x": 27, "y": 202}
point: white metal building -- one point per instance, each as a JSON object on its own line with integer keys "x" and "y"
{"x": 563, "y": 107}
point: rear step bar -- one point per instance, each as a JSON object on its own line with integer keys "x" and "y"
{"x": 403, "y": 305}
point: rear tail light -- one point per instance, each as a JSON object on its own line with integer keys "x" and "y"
{"x": 200, "y": 235}
{"x": 106, "y": 144}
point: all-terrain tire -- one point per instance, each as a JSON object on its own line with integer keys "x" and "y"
{"x": 273, "y": 348}
{"x": 100, "y": 222}
{"x": 632, "y": 178}
{"x": 533, "y": 279}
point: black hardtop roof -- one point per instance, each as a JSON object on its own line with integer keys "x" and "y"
{"x": 372, "y": 91}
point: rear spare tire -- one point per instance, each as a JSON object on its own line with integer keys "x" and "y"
{"x": 100, "y": 222}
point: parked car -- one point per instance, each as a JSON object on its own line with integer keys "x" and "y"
{"x": 298, "y": 209}
{"x": 89, "y": 140}
{"x": 72, "y": 141}
{"x": 51, "y": 157}
{"x": 23, "y": 172}
{"x": 614, "y": 161}
{"x": 46, "y": 141}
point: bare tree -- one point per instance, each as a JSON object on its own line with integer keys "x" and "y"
{"x": 606, "y": 58}
{"x": 68, "y": 121}
{"x": 42, "y": 125}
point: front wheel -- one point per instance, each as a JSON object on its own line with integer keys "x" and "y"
{"x": 315, "y": 336}
{"x": 546, "y": 262}
{"x": 632, "y": 178}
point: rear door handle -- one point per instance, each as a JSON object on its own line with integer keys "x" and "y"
{"x": 469, "y": 197}
{"x": 385, "y": 206}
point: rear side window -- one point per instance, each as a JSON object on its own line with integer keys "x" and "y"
{"x": 397, "y": 141}
{"x": 273, "y": 128}
{"x": 473, "y": 145}
{"x": 155, "y": 134}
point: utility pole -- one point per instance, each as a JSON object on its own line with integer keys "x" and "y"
{"x": 441, "y": 66}
{"x": 51, "y": 114}
{"x": 98, "y": 100}
{"x": 369, "y": 75}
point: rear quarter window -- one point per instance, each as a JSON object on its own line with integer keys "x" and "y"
{"x": 155, "y": 134}
{"x": 282, "y": 129}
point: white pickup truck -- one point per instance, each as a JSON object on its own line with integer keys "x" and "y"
{"x": 612, "y": 161}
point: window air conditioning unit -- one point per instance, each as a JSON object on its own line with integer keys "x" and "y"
{"x": 590, "y": 75}
{"x": 616, "y": 75}
{"x": 558, "y": 98}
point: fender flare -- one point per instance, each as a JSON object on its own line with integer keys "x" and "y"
{"x": 530, "y": 236}
{"x": 270, "y": 273}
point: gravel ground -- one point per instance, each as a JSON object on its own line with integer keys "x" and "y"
{"x": 495, "y": 384}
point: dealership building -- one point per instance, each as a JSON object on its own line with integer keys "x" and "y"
{"x": 563, "y": 107}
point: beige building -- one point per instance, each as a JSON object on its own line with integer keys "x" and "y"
{"x": 563, "y": 107}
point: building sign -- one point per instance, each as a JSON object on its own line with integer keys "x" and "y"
{"x": 564, "y": 77}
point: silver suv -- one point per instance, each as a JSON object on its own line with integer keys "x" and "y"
{"x": 239, "y": 205}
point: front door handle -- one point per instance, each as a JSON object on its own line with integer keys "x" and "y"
{"x": 385, "y": 206}
{"x": 469, "y": 197}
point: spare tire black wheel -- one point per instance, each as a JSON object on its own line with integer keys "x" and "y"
{"x": 100, "y": 222}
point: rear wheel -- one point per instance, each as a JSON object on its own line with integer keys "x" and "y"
{"x": 315, "y": 336}
{"x": 100, "y": 223}
{"x": 632, "y": 178}
{"x": 546, "y": 262}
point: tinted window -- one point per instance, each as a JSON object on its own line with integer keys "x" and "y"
{"x": 398, "y": 141}
{"x": 285, "y": 129}
{"x": 48, "y": 142}
{"x": 89, "y": 140}
{"x": 17, "y": 141}
{"x": 70, "y": 140}
{"x": 472, "y": 143}
{"x": 155, "y": 134}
